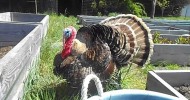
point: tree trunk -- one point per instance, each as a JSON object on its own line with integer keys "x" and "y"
{"x": 36, "y": 6}
{"x": 162, "y": 11}
{"x": 153, "y": 9}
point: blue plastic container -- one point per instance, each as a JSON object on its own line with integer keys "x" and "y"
{"x": 133, "y": 95}
{"x": 124, "y": 94}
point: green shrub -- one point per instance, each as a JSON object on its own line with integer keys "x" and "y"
{"x": 122, "y": 6}
{"x": 135, "y": 8}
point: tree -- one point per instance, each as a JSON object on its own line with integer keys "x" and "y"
{"x": 176, "y": 7}
{"x": 153, "y": 8}
{"x": 163, "y": 4}
{"x": 120, "y": 6}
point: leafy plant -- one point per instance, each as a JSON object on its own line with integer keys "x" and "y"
{"x": 163, "y": 4}
{"x": 158, "y": 39}
{"x": 182, "y": 40}
{"x": 119, "y": 6}
{"x": 113, "y": 14}
{"x": 135, "y": 8}
{"x": 161, "y": 40}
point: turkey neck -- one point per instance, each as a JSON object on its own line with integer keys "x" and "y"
{"x": 68, "y": 44}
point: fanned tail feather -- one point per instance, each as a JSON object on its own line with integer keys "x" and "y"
{"x": 142, "y": 47}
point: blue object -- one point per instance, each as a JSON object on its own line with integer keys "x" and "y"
{"x": 67, "y": 32}
{"x": 133, "y": 95}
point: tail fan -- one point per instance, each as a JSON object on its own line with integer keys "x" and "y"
{"x": 143, "y": 43}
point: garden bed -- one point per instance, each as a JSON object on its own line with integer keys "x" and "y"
{"x": 22, "y": 43}
{"x": 172, "y": 39}
{"x": 84, "y": 19}
{"x": 184, "y": 25}
{"x": 169, "y": 31}
{"x": 172, "y": 53}
{"x": 27, "y": 18}
{"x": 164, "y": 81}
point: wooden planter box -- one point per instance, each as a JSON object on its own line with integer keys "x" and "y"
{"x": 182, "y": 25}
{"x": 27, "y": 18}
{"x": 173, "y": 37}
{"x": 168, "y": 31}
{"x": 173, "y": 53}
{"x": 15, "y": 65}
{"x": 171, "y": 33}
{"x": 164, "y": 80}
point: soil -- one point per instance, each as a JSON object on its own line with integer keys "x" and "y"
{"x": 4, "y": 50}
{"x": 184, "y": 90}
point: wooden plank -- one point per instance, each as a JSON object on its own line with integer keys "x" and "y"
{"x": 15, "y": 61}
{"x": 19, "y": 59}
{"x": 11, "y": 37}
{"x": 153, "y": 82}
{"x": 173, "y": 37}
{"x": 27, "y": 18}
{"x": 17, "y": 90}
{"x": 158, "y": 83}
{"x": 172, "y": 53}
{"x": 174, "y": 32}
{"x": 8, "y": 43}
{"x": 27, "y": 28}
{"x": 181, "y": 77}
{"x": 13, "y": 68}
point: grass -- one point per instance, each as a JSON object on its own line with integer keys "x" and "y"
{"x": 42, "y": 84}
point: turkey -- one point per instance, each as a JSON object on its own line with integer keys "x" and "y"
{"x": 103, "y": 48}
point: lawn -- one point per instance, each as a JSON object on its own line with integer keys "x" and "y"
{"x": 42, "y": 84}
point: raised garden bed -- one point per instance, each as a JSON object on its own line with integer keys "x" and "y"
{"x": 173, "y": 31}
{"x": 25, "y": 41}
{"x": 173, "y": 53}
{"x": 164, "y": 81}
{"x": 184, "y": 25}
{"x": 27, "y": 18}
{"x": 84, "y": 19}
{"x": 173, "y": 38}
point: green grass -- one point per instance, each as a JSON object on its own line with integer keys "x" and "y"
{"x": 42, "y": 84}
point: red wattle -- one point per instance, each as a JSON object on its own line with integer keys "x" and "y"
{"x": 68, "y": 44}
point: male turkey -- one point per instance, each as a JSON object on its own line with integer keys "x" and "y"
{"x": 104, "y": 48}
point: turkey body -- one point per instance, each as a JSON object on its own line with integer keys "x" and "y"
{"x": 104, "y": 48}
